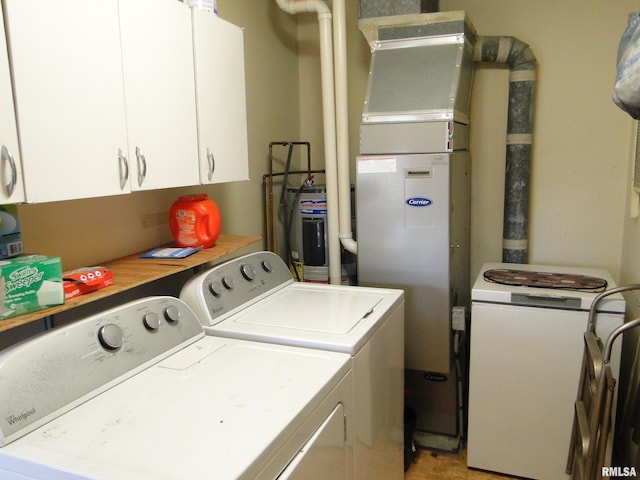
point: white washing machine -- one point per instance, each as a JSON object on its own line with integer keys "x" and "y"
{"x": 139, "y": 392}
{"x": 255, "y": 298}
{"x": 525, "y": 361}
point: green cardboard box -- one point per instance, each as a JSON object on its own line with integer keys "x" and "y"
{"x": 29, "y": 283}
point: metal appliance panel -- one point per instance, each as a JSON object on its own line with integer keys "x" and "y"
{"x": 413, "y": 137}
{"x": 404, "y": 204}
{"x": 419, "y": 79}
{"x": 485, "y": 291}
{"x": 524, "y": 373}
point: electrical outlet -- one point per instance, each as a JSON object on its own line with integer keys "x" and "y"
{"x": 458, "y": 317}
{"x": 154, "y": 219}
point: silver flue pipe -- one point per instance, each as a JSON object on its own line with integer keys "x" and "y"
{"x": 522, "y": 78}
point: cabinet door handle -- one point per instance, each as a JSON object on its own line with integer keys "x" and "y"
{"x": 212, "y": 163}
{"x": 142, "y": 165}
{"x": 123, "y": 165}
{"x": 8, "y": 157}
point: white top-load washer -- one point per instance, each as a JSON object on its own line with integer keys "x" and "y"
{"x": 255, "y": 298}
{"x": 139, "y": 392}
{"x": 527, "y": 343}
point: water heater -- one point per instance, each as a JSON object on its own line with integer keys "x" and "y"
{"x": 306, "y": 226}
{"x": 307, "y": 233}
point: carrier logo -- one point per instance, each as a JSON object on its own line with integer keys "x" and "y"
{"x": 419, "y": 202}
{"x": 435, "y": 377}
{"x": 13, "y": 419}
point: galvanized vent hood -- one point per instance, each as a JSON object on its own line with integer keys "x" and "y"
{"x": 421, "y": 68}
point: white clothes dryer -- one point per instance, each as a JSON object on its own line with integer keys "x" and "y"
{"x": 139, "y": 392}
{"x": 255, "y": 298}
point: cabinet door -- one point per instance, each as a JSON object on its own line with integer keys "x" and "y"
{"x": 157, "y": 55}
{"x": 11, "y": 187}
{"x": 67, "y": 72}
{"x": 220, "y": 92}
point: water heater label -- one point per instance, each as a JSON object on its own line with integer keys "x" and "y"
{"x": 419, "y": 202}
{"x": 313, "y": 207}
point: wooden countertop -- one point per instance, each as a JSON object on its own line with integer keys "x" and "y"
{"x": 132, "y": 271}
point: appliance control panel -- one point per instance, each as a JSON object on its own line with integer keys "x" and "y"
{"x": 47, "y": 375}
{"x": 232, "y": 286}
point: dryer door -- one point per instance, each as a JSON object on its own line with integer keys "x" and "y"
{"x": 323, "y": 457}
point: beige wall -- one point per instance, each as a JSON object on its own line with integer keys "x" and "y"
{"x": 581, "y": 139}
{"x": 88, "y": 232}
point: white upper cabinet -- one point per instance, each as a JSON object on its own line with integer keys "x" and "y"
{"x": 157, "y": 57}
{"x": 67, "y": 78}
{"x": 106, "y": 102}
{"x": 11, "y": 186}
{"x": 221, "y": 99}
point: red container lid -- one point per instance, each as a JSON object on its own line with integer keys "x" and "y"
{"x": 193, "y": 198}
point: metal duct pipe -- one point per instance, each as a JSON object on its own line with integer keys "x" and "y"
{"x": 522, "y": 77}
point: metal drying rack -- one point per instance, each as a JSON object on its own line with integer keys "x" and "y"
{"x": 592, "y": 417}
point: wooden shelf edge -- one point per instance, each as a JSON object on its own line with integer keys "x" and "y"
{"x": 132, "y": 271}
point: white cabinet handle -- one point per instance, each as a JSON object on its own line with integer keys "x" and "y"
{"x": 124, "y": 169}
{"x": 142, "y": 165}
{"x": 7, "y": 157}
{"x": 212, "y": 163}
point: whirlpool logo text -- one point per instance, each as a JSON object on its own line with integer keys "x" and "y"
{"x": 419, "y": 202}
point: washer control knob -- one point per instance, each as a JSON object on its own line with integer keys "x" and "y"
{"x": 111, "y": 336}
{"x": 172, "y": 313}
{"x": 248, "y": 272}
{"x": 266, "y": 266}
{"x": 151, "y": 321}
{"x": 215, "y": 288}
{"x": 228, "y": 283}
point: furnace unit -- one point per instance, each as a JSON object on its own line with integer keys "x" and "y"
{"x": 413, "y": 200}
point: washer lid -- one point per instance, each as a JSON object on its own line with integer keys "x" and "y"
{"x": 313, "y": 311}
{"x": 510, "y": 292}
{"x": 327, "y": 317}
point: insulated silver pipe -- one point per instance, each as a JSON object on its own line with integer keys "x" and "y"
{"x": 522, "y": 77}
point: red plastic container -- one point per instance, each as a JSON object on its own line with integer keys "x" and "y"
{"x": 194, "y": 220}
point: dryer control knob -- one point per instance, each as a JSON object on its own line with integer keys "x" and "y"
{"x": 151, "y": 321}
{"x": 172, "y": 314}
{"x": 111, "y": 336}
{"x": 228, "y": 283}
{"x": 215, "y": 289}
{"x": 266, "y": 266}
{"x": 248, "y": 272}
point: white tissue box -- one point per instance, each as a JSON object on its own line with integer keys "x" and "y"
{"x": 29, "y": 283}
